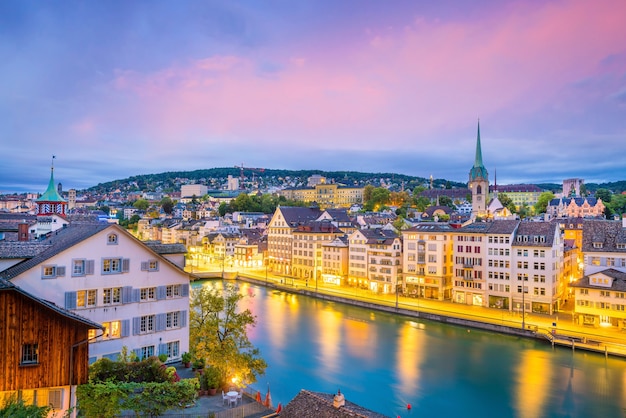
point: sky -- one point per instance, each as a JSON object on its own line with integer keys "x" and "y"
{"x": 120, "y": 88}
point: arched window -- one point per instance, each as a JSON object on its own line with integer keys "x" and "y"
{"x": 479, "y": 189}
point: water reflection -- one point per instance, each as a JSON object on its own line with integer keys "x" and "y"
{"x": 384, "y": 362}
{"x": 533, "y": 383}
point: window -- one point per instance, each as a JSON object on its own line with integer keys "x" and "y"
{"x": 82, "y": 267}
{"x": 146, "y": 324}
{"x": 112, "y": 296}
{"x": 86, "y": 298}
{"x": 172, "y": 320}
{"x": 146, "y": 352}
{"x": 584, "y": 291}
{"x": 173, "y": 291}
{"x": 112, "y": 239}
{"x": 78, "y": 267}
{"x": 52, "y": 272}
{"x": 173, "y": 349}
{"x": 30, "y": 354}
{"x": 112, "y": 329}
{"x": 147, "y": 294}
{"x": 111, "y": 265}
{"x": 151, "y": 265}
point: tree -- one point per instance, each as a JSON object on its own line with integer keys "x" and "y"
{"x": 604, "y": 195}
{"x": 446, "y": 201}
{"x": 542, "y": 202}
{"x": 618, "y": 203}
{"x": 167, "y": 205}
{"x": 367, "y": 193}
{"x": 218, "y": 333}
{"x": 379, "y": 198}
{"x": 507, "y": 202}
{"x": 141, "y": 204}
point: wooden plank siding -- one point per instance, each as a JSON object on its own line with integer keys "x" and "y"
{"x": 25, "y": 321}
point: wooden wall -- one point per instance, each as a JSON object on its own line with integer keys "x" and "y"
{"x": 24, "y": 320}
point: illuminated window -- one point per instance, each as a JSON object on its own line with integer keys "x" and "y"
{"x": 86, "y": 298}
{"x": 112, "y": 329}
{"x": 112, "y": 296}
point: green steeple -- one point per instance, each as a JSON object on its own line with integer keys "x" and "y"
{"x": 478, "y": 171}
{"x": 51, "y": 194}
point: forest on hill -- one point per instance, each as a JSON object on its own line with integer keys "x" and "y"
{"x": 214, "y": 178}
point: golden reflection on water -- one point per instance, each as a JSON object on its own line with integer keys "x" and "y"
{"x": 410, "y": 356}
{"x": 330, "y": 349}
{"x": 534, "y": 377}
{"x": 360, "y": 337}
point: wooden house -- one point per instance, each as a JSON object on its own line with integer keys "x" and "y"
{"x": 44, "y": 349}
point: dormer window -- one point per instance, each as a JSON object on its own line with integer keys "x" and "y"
{"x": 597, "y": 245}
{"x": 112, "y": 239}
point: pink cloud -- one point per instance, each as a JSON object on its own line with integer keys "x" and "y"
{"x": 392, "y": 83}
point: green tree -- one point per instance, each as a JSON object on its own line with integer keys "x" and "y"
{"x": 618, "y": 203}
{"x": 421, "y": 203}
{"x": 446, "y": 201}
{"x": 542, "y": 202}
{"x": 379, "y": 199}
{"x": 507, "y": 202}
{"x": 167, "y": 205}
{"x": 604, "y": 195}
{"x": 367, "y": 193}
{"x": 218, "y": 333}
{"x": 141, "y": 204}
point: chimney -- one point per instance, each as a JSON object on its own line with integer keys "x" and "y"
{"x": 22, "y": 231}
{"x": 339, "y": 400}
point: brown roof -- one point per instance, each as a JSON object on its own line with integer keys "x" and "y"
{"x": 307, "y": 404}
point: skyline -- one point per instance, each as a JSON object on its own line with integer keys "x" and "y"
{"x": 117, "y": 89}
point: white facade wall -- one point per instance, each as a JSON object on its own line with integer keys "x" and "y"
{"x": 98, "y": 249}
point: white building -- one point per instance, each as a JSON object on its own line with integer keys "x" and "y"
{"x": 104, "y": 274}
{"x": 191, "y": 190}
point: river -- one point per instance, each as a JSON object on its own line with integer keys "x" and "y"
{"x": 385, "y": 363}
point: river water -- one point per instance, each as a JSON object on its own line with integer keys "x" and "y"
{"x": 385, "y": 363}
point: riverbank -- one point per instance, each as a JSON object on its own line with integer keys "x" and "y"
{"x": 555, "y": 331}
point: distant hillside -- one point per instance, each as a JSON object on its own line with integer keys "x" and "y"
{"x": 214, "y": 177}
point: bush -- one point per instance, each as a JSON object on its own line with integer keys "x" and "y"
{"x": 148, "y": 370}
{"x": 14, "y": 408}
{"x": 163, "y": 358}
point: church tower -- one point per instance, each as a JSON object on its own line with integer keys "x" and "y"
{"x": 51, "y": 209}
{"x": 479, "y": 182}
{"x": 51, "y": 203}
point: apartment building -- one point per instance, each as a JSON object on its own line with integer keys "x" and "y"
{"x": 331, "y": 195}
{"x": 603, "y": 245}
{"x": 375, "y": 259}
{"x": 428, "y": 260}
{"x": 537, "y": 268}
{"x": 500, "y": 236}
{"x": 335, "y": 261}
{"x": 601, "y": 299}
{"x": 280, "y": 235}
{"x": 469, "y": 276}
{"x": 307, "y": 245}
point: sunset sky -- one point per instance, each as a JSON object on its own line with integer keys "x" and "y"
{"x": 121, "y": 88}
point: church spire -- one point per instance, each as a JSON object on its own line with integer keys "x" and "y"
{"x": 50, "y": 201}
{"x": 478, "y": 171}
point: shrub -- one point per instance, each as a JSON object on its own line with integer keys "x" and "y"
{"x": 14, "y": 408}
